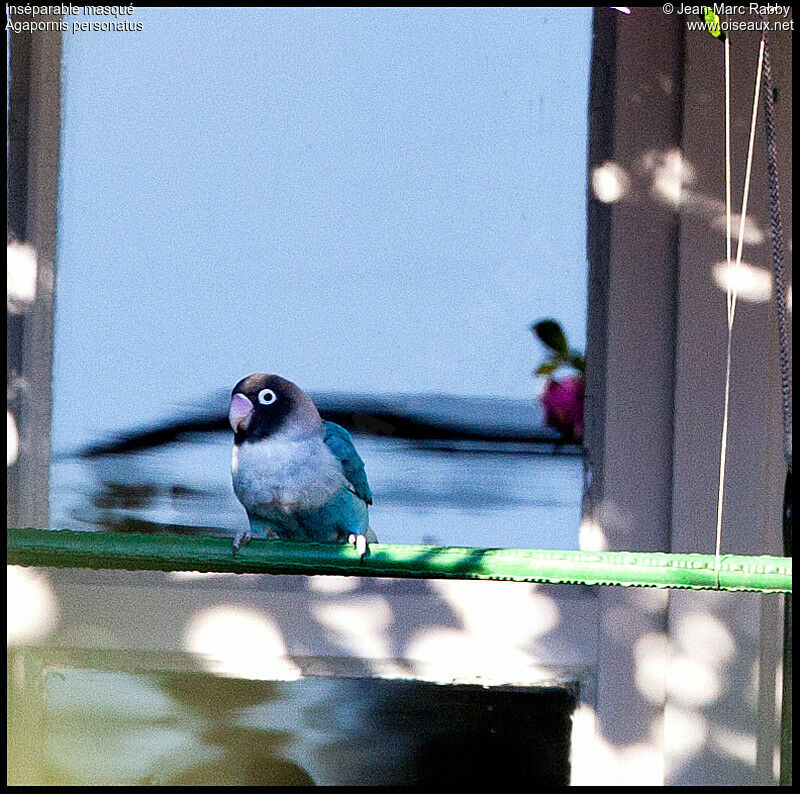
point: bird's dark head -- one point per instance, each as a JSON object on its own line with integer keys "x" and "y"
{"x": 262, "y": 405}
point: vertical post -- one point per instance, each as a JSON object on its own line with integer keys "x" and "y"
{"x": 786, "y": 393}
{"x": 726, "y": 732}
{"x": 33, "y": 178}
{"x": 602, "y": 85}
{"x": 16, "y": 222}
{"x": 633, "y": 236}
{"x": 786, "y": 705}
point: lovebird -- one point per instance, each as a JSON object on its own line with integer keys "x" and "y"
{"x": 297, "y": 476}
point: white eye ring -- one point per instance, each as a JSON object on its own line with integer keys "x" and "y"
{"x": 267, "y": 396}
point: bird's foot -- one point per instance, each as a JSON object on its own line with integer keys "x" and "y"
{"x": 359, "y": 543}
{"x": 241, "y": 537}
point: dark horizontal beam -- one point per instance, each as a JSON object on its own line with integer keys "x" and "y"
{"x": 69, "y": 549}
{"x": 415, "y": 418}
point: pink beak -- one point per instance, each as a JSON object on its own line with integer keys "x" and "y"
{"x": 240, "y": 412}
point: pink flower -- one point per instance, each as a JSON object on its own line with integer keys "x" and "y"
{"x": 563, "y": 403}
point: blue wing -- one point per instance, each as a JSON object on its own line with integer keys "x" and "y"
{"x": 341, "y": 445}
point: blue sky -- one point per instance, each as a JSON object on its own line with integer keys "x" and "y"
{"x": 376, "y": 200}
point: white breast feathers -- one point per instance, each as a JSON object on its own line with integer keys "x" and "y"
{"x": 284, "y": 472}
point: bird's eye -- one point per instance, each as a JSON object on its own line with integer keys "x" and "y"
{"x": 267, "y": 396}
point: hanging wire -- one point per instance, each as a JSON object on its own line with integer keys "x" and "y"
{"x": 777, "y": 259}
{"x": 728, "y": 300}
{"x": 728, "y": 236}
{"x": 732, "y": 271}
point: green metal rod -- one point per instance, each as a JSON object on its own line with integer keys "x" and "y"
{"x": 68, "y": 549}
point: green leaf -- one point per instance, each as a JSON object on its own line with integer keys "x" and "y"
{"x": 548, "y": 368}
{"x": 578, "y": 361}
{"x": 551, "y": 335}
